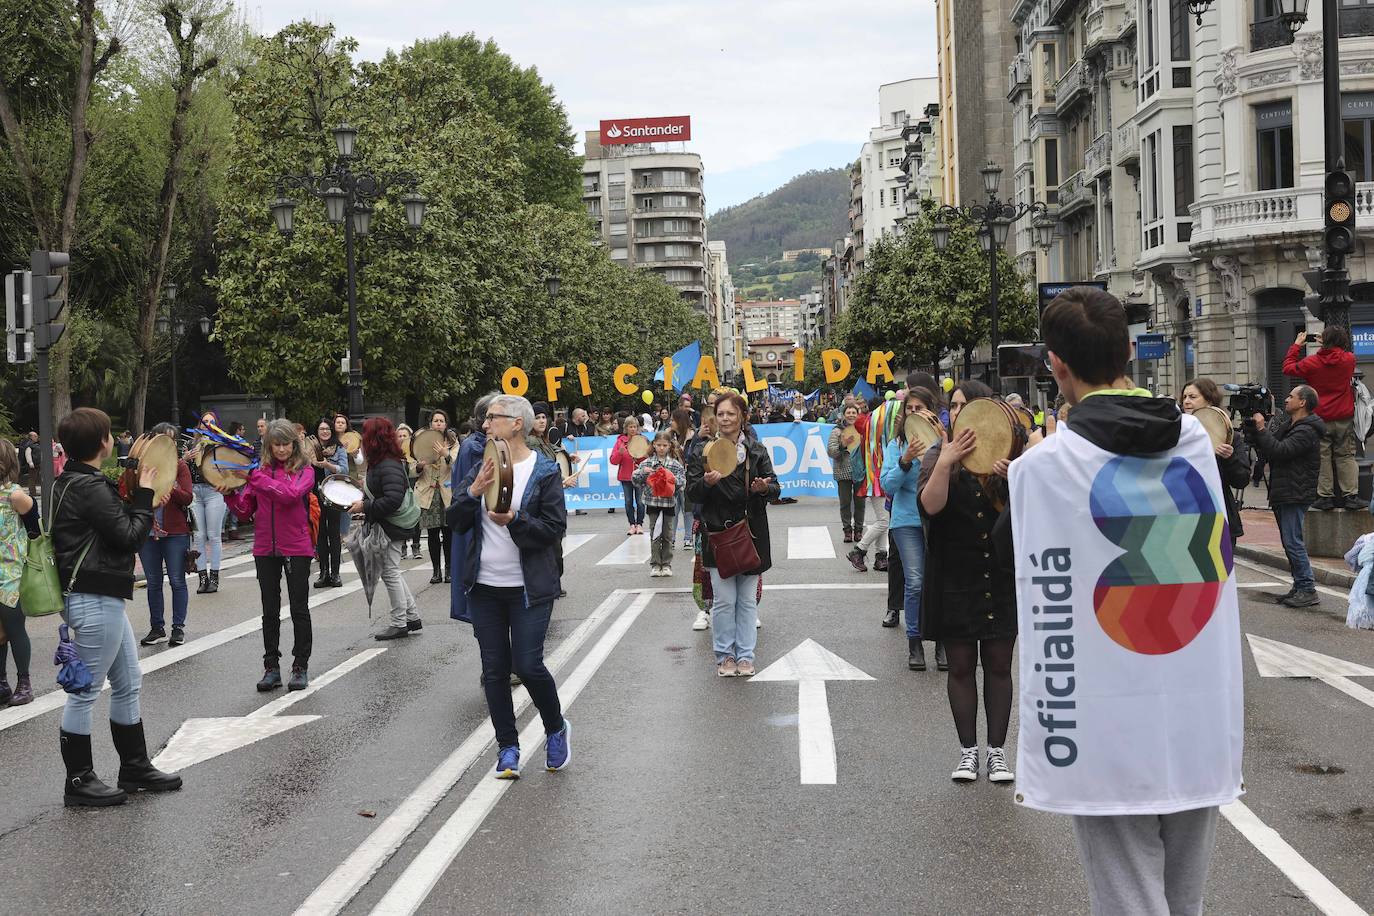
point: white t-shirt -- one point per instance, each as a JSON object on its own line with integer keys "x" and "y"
{"x": 500, "y": 566}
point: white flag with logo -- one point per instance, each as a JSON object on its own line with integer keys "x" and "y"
{"x": 1130, "y": 630}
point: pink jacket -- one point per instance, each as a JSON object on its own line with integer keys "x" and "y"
{"x": 283, "y": 530}
{"x": 625, "y": 462}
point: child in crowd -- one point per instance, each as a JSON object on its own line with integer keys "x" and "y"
{"x": 659, "y": 477}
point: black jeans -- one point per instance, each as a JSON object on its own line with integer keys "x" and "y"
{"x": 330, "y": 545}
{"x": 851, "y": 505}
{"x": 510, "y": 637}
{"x": 297, "y": 571}
{"x": 438, "y": 557}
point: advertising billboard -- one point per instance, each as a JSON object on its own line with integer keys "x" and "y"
{"x": 619, "y": 131}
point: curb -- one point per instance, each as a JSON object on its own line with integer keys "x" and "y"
{"x": 1336, "y": 578}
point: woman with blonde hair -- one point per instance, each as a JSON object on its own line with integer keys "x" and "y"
{"x": 280, "y": 488}
{"x": 18, "y": 523}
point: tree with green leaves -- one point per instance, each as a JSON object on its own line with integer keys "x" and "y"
{"x": 924, "y": 304}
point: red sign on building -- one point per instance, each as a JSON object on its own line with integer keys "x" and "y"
{"x": 645, "y": 130}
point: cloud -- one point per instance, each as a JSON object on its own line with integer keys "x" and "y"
{"x": 760, "y": 80}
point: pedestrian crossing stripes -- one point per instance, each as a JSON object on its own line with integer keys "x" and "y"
{"x": 633, "y": 551}
{"x": 810, "y": 543}
{"x": 574, "y": 541}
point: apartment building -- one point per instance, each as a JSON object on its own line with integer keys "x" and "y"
{"x": 721, "y": 297}
{"x": 881, "y": 174}
{"x": 923, "y": 174}
{"x": 782, "y": 318}
{"x": 650, "y": 205}
{"x": 975, "y": 47}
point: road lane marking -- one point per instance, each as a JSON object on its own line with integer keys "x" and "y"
{"x": 574, "y": 541}
{"x": 1279, "y": 659}
{"x": 809, "y": 543}
{"x": 1259, "y": 585}
{"x": 56, "y": 699}
{"x": 1269, "y": 570}
{"x": 353, "y": 874}
{"x": 633, "y": 551}
{"x": 810, "y": 665}
{"x": 1326, "y": 896}
{"x": 414, "y": 885}
{"x": 202, "y": 739}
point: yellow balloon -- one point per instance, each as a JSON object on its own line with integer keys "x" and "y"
{"x": 948, "y": 385}
{"x": 647, "y": 397}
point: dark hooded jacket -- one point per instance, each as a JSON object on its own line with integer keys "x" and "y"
{"x": 1293, "y": 450}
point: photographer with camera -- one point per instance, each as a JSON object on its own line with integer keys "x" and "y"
{"x": 1293, "y": 449}
{"x": 1331, "y": 371}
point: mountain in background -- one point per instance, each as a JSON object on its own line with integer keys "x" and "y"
{"x": 810, "y": 211}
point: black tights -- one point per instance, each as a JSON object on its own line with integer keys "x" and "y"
{"x": 13, "y": 619}
{"x": 963, "y": 657}
{"x": 436, "y": 535}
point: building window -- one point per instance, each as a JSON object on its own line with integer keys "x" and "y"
{"x": 1051, "y": 163}
{"x": 1151, "y": 190}
{"x": 898, "y": 118}
{"x": 1268, "y": 30}
{"x": 1357, "y": 113}
{"x": 1149, "y": 25}
{"x": 1357, "y": 18}
{"x": 1274, "y": 130}
{"x": 1184, "y": 193}
{"x": 1180, "y": 45}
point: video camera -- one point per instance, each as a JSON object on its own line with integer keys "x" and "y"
{"x": 1247, "y": 400}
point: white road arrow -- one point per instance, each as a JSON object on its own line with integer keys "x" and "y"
{"x": 1278, "y": 659}
{"x": 811, "y": 665}
{"x": 199, "y": 740}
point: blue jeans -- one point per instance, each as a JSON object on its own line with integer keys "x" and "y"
{"x": 510, "y": 638}
{"x": 634, "y": 503}
{"x": 104, "y": 639}
{"x": 684, "y": 517}
{"x": 209, "y": 510}
{"x": 1289, "y": 518}
{"x": 154, "y": 555}
{"x": 911, "y": 549}
{"x": 734, "y": 616}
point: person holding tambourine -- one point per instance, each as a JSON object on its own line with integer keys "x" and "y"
{"x": 625, "y": 461}
{"x": 330, "y": 457}
{"x": 729, "y": 501}
{"x": 968, "y": 598}
{"x": 1233, "y": 457}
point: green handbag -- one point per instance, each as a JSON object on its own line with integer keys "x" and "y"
{"x": 40, "y": 588}
{"x": 406, "y": 517}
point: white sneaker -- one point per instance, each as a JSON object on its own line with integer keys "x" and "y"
{"x": 967, "y": 770}
{"x": 667, "y": 571}
{"x": 998, "y": 771}
{"x": 653, "y": 572}
{"x": 758, "y": 622}
{"x": 702, "y": 622}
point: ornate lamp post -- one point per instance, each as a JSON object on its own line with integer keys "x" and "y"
{"x": 178, "y": 327}
{"x": 348, "y": 193}
{"x": 993, "y": 220}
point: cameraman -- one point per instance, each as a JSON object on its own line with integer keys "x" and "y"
{"x": 1293, "y": 448}
{"x": 1331, "y": 371}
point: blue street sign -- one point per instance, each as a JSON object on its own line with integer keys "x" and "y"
{"x": 1363, "y": 335}
{"x": 1151, "y": 346}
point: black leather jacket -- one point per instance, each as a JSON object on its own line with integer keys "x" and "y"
{"x": 89, "y": 505}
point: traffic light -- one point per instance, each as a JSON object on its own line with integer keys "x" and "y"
{"x": 48, "y": 297}
{"x": 18, "y": 318}
{"x": 1340, "y": 213}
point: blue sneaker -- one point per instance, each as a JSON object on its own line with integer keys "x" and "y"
{"x": 560, "y": 748}
{"x": 508, "y": 763}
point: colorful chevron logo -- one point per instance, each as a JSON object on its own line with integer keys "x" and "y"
{"x": 1157, "y": 596}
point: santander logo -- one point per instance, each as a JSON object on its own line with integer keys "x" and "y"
{"x": 646, "y": 130}
{"x": 613, "y": 132}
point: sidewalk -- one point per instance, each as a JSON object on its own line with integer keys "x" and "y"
{"x": 1261, "y": 544}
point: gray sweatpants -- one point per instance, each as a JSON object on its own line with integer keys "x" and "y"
{"x": 1147, "y": 864}
{"x": 403, "y": 606}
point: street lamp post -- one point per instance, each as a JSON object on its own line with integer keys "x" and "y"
{"x": 993, "y": 220}
{"x": 177, "y": 327}
{"x": 348, "y": 193}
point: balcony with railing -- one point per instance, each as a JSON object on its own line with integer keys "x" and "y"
{"x": 1126, "y": 149}
{"x": 642, "y": 211}
{"x": 1075, "y": 194}
{"x": 1019, "y": 73}
{"x": 1270, "y": 33}
{"x": 1098, "y": 158}
{"x": 659, "y": 187}
{"x": 1072, "y": 86}
{"x": 1357, "y": 22}
{"x": 1243, "y": 218}
{"x": 1095, "y": 26}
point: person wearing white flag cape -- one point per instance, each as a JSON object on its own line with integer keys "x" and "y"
{"x": 1131, "y": 714}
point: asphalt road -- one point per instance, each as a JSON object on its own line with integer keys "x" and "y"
{"x": 684, "y": 795}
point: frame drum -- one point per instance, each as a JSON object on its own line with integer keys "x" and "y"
{"x": 428, "y": 446}
{"x": 338, "y": 491}
{"x": 216, "y": 463}
{"x": 498, "y": 495}
{"x": 851, "y": 438}
{"x": 564, "y": 462}
{"x": 1217, "y": 422}
{"x": 638, "y": 447}
{"x": 1000, "y": 433}
{"x": 351, "y": 441}
{"x": 722, "y": 456}
{"x": 154, "y": 451}
{"x": 921, "y": 427}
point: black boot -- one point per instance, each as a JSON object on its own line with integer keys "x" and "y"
{"x": 214, "y": 582}
{"x": 84, "y": 789}
{"x": 916, "y": 655}
{"x": 941, "y": 663}
{"x": 136, "y": 772}
{"x": 880, "y": 561}
{"x": 204, "y": 585}
{"x": 890, "y": 620}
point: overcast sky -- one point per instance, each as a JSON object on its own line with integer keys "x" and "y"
{"x": 774, "y": 87}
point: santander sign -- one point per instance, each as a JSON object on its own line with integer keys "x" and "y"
{"x": 619, "y": 131}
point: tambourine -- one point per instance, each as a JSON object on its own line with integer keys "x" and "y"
{"x": 722, "y": 456}
{"x": 923, "y": 428}
{"x": 1217, "y": 422}
{"x": 157, "y": 452}
{"x": 351, "y": 441}
{"x": 498, "y": 495}
{"x": 218, "y": 461}
{"x": 638, "y": 447}
{"x": 428, "y": 446}
{"x": 851, "y": 437}
{"x": 1000, "y": 433}
{"x": 564, "y": 462}
{"x": 1026, "y": 416}
{"x": 338, "y": 491}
